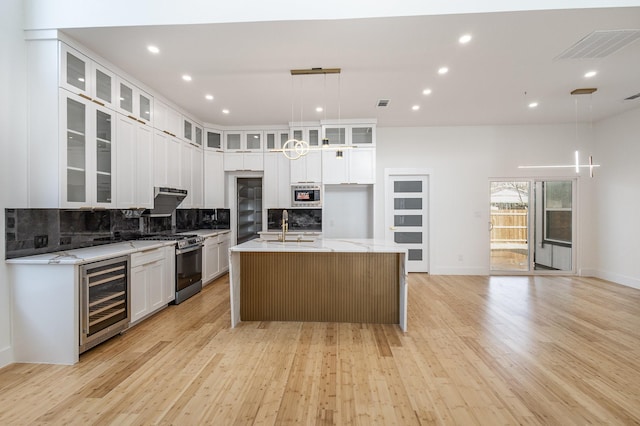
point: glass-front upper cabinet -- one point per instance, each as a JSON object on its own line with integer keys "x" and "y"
{"x": 198, "y": 135}
{"x": 214, "y": 139}
{"x": 350, "y": 134}
{"x": 275, "y": 139}
{"x": 243, "y": 141}
{"x": 308, "y": 134}
{"x": 88, "y": 131}
{"x": 80, "y": 75}
{"x": 134, "y": 103}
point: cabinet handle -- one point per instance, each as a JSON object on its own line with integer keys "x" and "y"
{"x": 132, "y": 117}
{"x": 140, "y": 121}
{"x": 82, "y": 95}
{"x": 98, "y": 102}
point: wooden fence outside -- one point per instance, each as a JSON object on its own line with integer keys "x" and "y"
{"x": 509, "y": 226}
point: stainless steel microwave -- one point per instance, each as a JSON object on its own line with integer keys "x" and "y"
{"x": 309, "y": 195}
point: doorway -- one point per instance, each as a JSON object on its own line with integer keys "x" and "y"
{"x": 249, "y": 208}
{"x": 532, "y": 226}
{"x": 406, "y": 216}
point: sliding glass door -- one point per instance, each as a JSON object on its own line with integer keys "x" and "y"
{"x": 532, "y": 226}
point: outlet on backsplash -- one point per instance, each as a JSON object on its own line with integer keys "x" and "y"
{"x": 40, "y": 241}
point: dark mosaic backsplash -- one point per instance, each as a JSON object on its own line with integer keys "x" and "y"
{"x": 299, "y": 219}
{"x": 37, "y": 231}
{"x": 192, "y": 219}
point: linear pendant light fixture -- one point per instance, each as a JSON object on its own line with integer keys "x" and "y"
{"x": 577, "y": 166}
{"x": 294, "y": 148}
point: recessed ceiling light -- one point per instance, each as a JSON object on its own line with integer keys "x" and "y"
{"x": 186, "y": 77}
{"x": 533, "y": 104}
{"x": 208, "y": 97}
{"x": 426, "y": 92}
{"x": 153, "y": 49}
{"x": 415, "y": 107}
{"x": 319, "y": 109}
{"x": 225, "y": 111}
{"x": 591, "y": 74}
{"x": 465, "y": 39}
{"x": 443, "y": 70}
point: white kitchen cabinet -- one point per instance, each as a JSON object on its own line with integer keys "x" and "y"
{"x": 211, "y": 259}
{"x": 87, "y": 153}
{"x": 307, "y": 169}
{"x": 213, "y": 139}
{"x": 166, "y": 160}
{"x": 85, "y": 77}
{"x": 134, "y": 157}
{"x": 224, "y": 242}
{"x": 134, "y": 102}
{"x": 243, "y": 150}
{"x": 191, "y": 131}
{"x": 166, "y": 119}
{"x": 362, "y": 134}
{"x": 277, "y": 181}
{"x": 308, "y": 134}
{"x": 151, "y": 275}
{"x": 357, "y": 165}
{"x": 215, "y": 256}
{"x": 234, "y": 161}
{"x": 191, "y": 171}
{"x": 213, "y": 179}
{"x": 275, "y": 139}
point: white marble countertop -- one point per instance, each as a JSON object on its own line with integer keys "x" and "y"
{"x": 104, "y": 251}
{"x": 89, "y": 254}
{"x": 320, "y": 245}
{"x": 206, "y": 232}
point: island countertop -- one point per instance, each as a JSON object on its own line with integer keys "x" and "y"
{"x": 320, "y": 245}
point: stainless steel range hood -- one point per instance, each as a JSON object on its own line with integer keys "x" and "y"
{"x": 165, "y": 201}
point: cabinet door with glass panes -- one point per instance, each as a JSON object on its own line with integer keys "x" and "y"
{"x": 275, "y": 139}
{"x": 84, "y": 77}
{"x": 192, "y": 132}
{"x": 87, "y": 157}
{"x": 213, "y": 139}
{"x": 134, "y": 103}
{"x": 308, "y": 134}
{"x": 352, "y": 134}
{"x": 243, "y": 141}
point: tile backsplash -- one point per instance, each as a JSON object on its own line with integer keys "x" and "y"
{"x": 37, "y": 231}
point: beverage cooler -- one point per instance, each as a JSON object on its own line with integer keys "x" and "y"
{"x": 104, "y": 300}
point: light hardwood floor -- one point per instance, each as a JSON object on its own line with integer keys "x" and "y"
{"x": 479, "y": 350}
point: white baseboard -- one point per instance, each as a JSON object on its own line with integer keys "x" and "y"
{"x": 617, "y": 278}
{"x": 6, "y": 356}
{"x": 453, "y": 270}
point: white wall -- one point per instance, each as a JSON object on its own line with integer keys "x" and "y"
{"x": 463, "y": 160}
{"x": 346, "y": 211}
{"x": 13, "y": 146}
{"x": 48, "y": 14}
{"x": 617, "y": 189}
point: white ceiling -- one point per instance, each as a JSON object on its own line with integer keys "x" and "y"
{"x": 508, "y": 64}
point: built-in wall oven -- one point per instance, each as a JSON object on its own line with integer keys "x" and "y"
{"x": 104, "y": 303}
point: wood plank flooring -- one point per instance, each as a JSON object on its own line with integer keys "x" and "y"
{"x": 479, "y": 350}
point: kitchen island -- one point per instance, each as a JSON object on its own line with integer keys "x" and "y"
{"x": 324, "y": 280}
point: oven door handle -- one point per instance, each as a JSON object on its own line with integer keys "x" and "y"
{"x": 188, "y": 249}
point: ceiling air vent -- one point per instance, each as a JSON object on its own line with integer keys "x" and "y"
{"x": 382, "y": 103}
{"x": 632, "y": 97}
{"x": 600, "y": 44}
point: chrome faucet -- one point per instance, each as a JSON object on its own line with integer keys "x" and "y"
{"x": 285, "y": 225}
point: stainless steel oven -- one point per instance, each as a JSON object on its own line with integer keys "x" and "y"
{"x": 188, "y": 271}
{"x": 104, "y": 305}
{"x": 188, "y": 279}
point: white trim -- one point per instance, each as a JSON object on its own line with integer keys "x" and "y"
{"x": 6, "y": 356}
{"x": 617, "y": 278}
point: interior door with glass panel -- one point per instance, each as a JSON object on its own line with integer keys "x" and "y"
{"x": 406, "y": 218}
